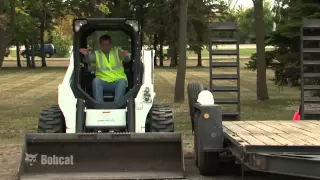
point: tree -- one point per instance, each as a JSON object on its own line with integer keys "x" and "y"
{"x": 262, "y": 89}
{"x": 245, "y": 21}
{"x": 285, "y": 58}
{"x": 181, "y": 72}
{"x": 7, "y": 15}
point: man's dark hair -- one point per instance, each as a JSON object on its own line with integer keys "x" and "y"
{"x": 105, "y": 38}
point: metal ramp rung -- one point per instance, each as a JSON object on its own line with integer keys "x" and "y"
{"x": 226, "y": 101}
{"x": 224, "y": 64}
{"x": 310, "y": 72}
{"x": 232, "y": 72}
{"x": 225, "y": 88}
{"x": 224, "y": 41}
{"x": 311, "y": 62}
{"x": 225, "y": 52}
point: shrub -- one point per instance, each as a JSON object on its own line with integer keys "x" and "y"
{"x": 62, "y": 44}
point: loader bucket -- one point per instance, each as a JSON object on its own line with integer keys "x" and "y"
{"x": 102, "y": 156}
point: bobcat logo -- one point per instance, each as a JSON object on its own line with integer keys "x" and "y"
{"x": 31, "y": 158}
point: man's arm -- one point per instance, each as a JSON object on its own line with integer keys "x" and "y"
{"x": 123, "y": 57}
{"x": 90, "y": 58}
{"x": 87, "y": 57}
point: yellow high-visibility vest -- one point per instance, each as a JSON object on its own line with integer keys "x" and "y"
{"x": 109, "y": 69}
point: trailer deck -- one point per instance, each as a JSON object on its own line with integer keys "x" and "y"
{"x": 284, "y": 147}
{"x": 273, "y": 133}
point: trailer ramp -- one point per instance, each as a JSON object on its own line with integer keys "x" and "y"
{"x": 283, "y": 147}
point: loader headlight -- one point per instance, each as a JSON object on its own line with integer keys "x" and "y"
{"x": 78, "y": 24}
{"x": 147, "y": 95}
{"x": 134, "y": 24}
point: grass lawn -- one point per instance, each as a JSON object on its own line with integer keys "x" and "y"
{"x": 205, "y": 53}
{"x": 25, "y": 92}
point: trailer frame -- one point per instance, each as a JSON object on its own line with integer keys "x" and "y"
{"x": 294, "y": 160}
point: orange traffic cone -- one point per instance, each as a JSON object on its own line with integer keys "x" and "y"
{"x": 296, "y": 116}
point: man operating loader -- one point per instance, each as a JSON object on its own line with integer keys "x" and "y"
{"x": 110, "y": 75}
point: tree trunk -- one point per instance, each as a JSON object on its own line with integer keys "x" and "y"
{"x": 18, "y": 55}
{"x": 199, "y": 58}
{"x": 262, "y": 89}
{"x": 33, "y": 62}
{"x": 27, "y": 50}
{"x": 155, "y": 44}
{"x": 42, "y": 28}
{"x": 161, "y": 41}
{"x": 2, "y": 46}
{"x": 181, "y": 72}
{"x": 174, "y": 55}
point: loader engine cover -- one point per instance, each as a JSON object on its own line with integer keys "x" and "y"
{"x": 102, "y": 156}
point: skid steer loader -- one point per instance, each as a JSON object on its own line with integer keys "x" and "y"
{"x": 79, "y": 138}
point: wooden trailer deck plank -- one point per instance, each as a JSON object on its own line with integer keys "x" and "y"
{"x": 315, "y": 122}
{"x": 273, "y": 133}
{"x": 290, "y": 133}
{"x": 282, "y": 133}
{"x": 258, "y": 133}
{"x": 306, "y": 126}
{"x": 235, "y": 136}
{"x": 243, "y": 134}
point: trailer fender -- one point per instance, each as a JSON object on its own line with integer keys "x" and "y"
{"x": 209, "y": 128}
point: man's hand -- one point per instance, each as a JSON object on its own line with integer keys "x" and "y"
{"x": 125, "y": 53}
{"x": 84, "y": 51}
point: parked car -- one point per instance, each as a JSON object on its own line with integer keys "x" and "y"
{"x": 7, "y": 52}
{"x": 49, "y": 51}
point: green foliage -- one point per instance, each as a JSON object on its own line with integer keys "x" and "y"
{"x": 245, "y": 19}
{"x": 103, "y": 8}
{"x": 62, "y": 44}
{"x": 285, "y": 60}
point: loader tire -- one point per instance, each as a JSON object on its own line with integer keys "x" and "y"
{"x": 194, "y": 88}
{"x": 161, "y": 118}
{"x": 51, "y": 121}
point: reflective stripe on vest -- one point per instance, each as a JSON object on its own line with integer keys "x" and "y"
{"x": 102, "y": 67}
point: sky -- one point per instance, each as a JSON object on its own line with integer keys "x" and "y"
{"x": 244, "y": 3}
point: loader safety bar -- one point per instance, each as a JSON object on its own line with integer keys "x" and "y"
{"x": 103, "y": 156}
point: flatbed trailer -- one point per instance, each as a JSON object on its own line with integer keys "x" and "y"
{"x": 282, "y": 147}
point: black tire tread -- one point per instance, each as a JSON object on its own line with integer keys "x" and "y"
{"x": 208, "y": 163}
{"x": 194, "y": 88}
{"x": 161, "y": 118}
{"x": 51, "y": 121}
